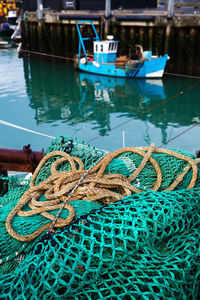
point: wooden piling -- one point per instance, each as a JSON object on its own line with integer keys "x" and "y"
{"x": 178, "y": 37}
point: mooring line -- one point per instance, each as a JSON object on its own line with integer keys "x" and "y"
{"x": 146, "y": 111}
{"x": 176, "y": 136}
{"x": 25, "y": 129}
{"x": 63, "y": 57}
{"x": 182, "y": 75}
{"x": 73, "y": 59}
{"x": 46, "y": 54}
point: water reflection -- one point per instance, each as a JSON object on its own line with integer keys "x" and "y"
{"x": 105, "y": 88}
{"x": 57, "y": 93}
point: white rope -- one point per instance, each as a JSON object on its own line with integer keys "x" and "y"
{"x": 25, "y": 129}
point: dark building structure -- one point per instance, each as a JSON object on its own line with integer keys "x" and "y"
{"x": 31, "y": 5}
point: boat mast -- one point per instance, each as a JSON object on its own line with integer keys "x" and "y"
{"x": 81, "y": 39}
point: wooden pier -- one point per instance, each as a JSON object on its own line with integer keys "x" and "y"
{"x": 54, "y": 33}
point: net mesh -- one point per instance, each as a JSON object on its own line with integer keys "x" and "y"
{"x": 145, "y": 246}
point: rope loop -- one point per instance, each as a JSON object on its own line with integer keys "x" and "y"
{"x": 63, "y": 187}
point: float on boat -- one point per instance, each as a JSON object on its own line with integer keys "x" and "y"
{"x": 104, "y": 60}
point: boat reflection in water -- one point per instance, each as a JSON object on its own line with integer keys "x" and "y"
{"x": 127, "y": 97}
{"x": 105, "y": 87}
{"x": 60, "y": 93}
{"x": 87, "y": 105}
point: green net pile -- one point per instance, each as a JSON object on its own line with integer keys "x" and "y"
{"x": 146, "y": 246}
{"x": 125, "y": 164}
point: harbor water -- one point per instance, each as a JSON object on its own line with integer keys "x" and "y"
{"x": 41, "y": 99}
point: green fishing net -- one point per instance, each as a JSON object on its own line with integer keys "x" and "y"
{"x": 145, "y": 246}
{"x": 11, "y": 249}
{"x": 125, "y": 163}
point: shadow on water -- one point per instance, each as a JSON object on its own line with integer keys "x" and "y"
{"x": 57, "y": 93}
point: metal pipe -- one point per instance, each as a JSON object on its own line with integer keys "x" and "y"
{"x": 24, "y": 160}
{"x": 18, "y": 156}
{"x": 170, "y": 9}
{"x": 40, "y": 9}
{"x": 107, "y": 9}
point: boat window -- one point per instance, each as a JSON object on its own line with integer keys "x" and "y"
{"x": 101, "y": 48}
{"x": 96, "y": 48}
{"x": 109, "y": 48}
{"x": 113, "y": 46}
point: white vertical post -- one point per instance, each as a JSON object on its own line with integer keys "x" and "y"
{"x": 123, "y": 134}
{"x": 170, "y": 9}
{"x": 39, "y": 10}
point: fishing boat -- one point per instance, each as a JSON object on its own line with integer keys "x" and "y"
{"x": 104, "y": 60}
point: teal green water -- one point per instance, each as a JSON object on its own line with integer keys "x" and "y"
{"x": 53, "y": 99}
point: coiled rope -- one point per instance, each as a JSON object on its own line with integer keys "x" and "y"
{"x": 93, "y": 184}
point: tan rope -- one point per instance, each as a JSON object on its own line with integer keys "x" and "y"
{"x": 95, "y": 186}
